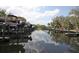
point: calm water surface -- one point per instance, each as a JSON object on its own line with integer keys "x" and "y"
{"x": 43, "y": 42}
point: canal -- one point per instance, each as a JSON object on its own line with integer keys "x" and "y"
{"x": 45, "y": 42}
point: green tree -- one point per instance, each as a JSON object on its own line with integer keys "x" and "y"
{"x": 75, "y": 12}
{"x": 69, "y": 22}
{"x": 2, "y": 12}
{"x": 58, "y": 22}
{"x": 40, "y": 27}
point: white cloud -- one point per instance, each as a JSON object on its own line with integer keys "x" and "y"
{"x": 32, "y": 16}
{"x": 28, "y": 5}
{"x": 40, "y": 18}
{"x": 52, "y": 13}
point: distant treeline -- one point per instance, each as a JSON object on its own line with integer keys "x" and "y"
{"x": 40, "y": 27}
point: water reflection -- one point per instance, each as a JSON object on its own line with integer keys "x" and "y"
{"x": 44, "y": 43}
{"x": 71, "y": 41}
{"x": 11, "y": 48}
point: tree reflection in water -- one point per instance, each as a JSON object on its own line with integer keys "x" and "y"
{"x": 43, "y": 43}
{"x": 62, "y": 38}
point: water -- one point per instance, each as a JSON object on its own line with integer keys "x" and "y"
{"x": 44, "y": 42}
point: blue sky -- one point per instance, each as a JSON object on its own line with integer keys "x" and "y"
{"x": 64, "y": 10}
{"x": 39, "y": 11}
{"x": 40, "y": 14}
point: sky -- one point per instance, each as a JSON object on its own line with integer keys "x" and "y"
{"x": 40, "y": 14}
{"x": 38, "y": 11}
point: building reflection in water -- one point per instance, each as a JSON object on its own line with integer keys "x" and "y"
{"x": 6, "y": 47}
{"x": 42, "y": 43}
